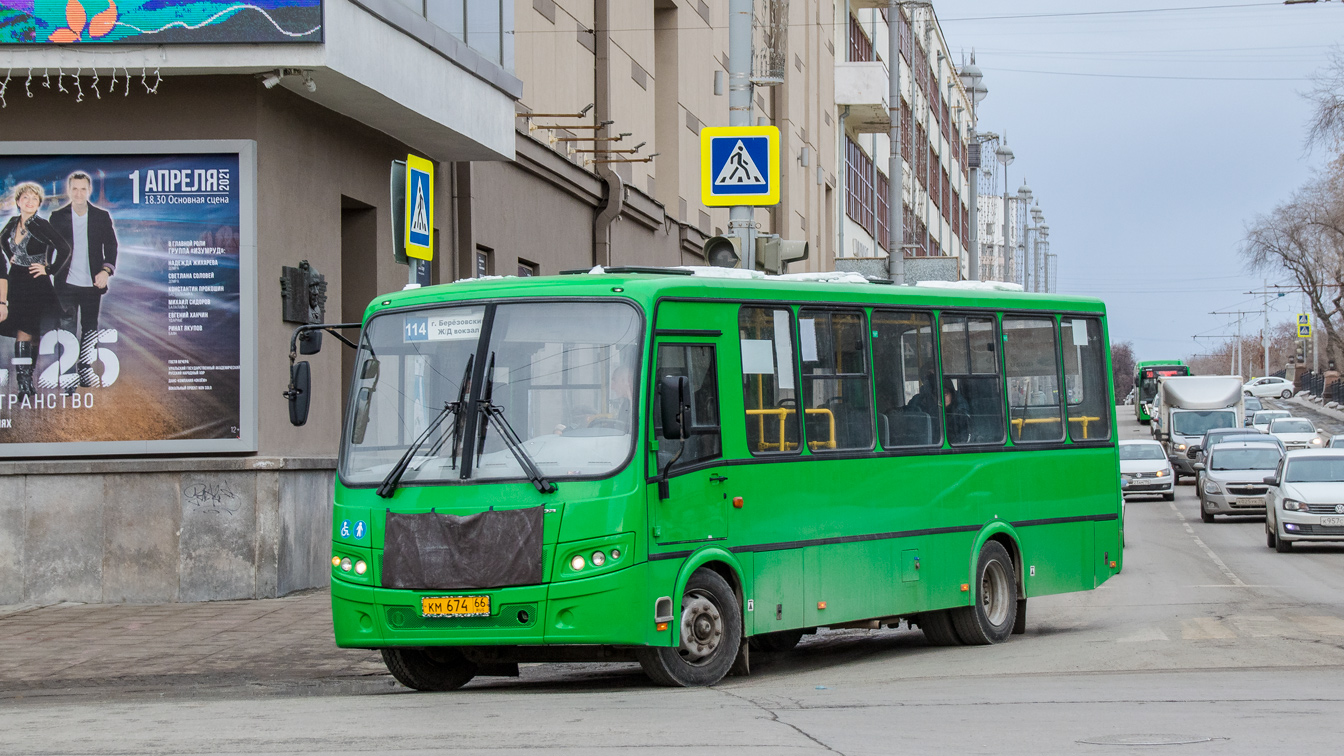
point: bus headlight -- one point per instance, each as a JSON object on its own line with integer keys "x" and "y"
{"x": 361, "y": 567}
{"x": 346, "y": 564}
{"x": 577, "y": 563}
{"x": 599, "y": 559}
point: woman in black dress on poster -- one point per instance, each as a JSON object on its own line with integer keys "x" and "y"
{"x": 33, "y": 252}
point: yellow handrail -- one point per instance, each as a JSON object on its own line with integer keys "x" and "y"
{"x": 1018, "y": 422}
{"x": 782, "y": 413}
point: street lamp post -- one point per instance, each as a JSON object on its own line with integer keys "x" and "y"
{"x": 1036, "y": 220}
{"x": 1023, "y": 201}
{"x": 973, "y": 80}
{"x": 1005, "y": 155}
{"x": 1048, "y": 257}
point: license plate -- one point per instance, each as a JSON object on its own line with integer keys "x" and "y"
{"x": 1250, "y": 502}
{"x": 455, "y": 606}
{"x": 1332, "y": 522}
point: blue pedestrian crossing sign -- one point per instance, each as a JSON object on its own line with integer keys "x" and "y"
{"x": 739, "y": 165}
{"x": 1304, "y": 325}
{"x": 419, "y": 210}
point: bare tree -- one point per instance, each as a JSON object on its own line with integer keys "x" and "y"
{"x": 1122, "y": 367}
{"x": 1326, "y": 127}
{"x": 1304, "y": 238}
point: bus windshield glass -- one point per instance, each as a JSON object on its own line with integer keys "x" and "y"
{"x": 1199, "y": 422}
{"x": 1148, "y": 379}
{"x": 560, "y": 376}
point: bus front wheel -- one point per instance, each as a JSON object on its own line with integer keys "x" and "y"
{"x": 429, "y": 668}
{"x": 990, "y": 618}
{"x": 710, "y": 633}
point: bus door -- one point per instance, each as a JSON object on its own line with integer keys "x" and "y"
{"x": 688, "y": 496}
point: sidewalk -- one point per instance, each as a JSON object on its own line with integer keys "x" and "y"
{"x": 262, "y": 647}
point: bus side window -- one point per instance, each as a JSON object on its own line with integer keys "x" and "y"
{"x": 697, "y": 363}
{"x": 905, "y": 368}
{"x": 1085, "y": 379}
{"x": 1031, "y": 361}
{"x": 834, "y": 356}
{"x": 972, "y": 402}
{"x": 769, "y": 388}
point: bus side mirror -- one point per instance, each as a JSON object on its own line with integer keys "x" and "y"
{"x": 310, "y": 342}
{"x": 300, "y": 389}
{"x": 674, "y": 393}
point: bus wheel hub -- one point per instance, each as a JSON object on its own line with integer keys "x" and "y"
{"x": 701, "y": 628}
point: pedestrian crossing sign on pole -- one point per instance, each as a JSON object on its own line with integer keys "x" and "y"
{"x": 739, "y": 165}
{"x": 419, "y": 210}
{"x": 1304, "y": 325}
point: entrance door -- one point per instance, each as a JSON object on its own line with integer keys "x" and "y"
{"x": 693, "y": 505}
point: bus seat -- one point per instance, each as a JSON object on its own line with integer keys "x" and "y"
{"x": 908, "y": 428}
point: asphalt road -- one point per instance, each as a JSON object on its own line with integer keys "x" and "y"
{"x": 1208, "y": 642}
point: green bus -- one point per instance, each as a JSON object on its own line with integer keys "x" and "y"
{"x": 1146, "y": 375}
{"x": 673, "y": 468}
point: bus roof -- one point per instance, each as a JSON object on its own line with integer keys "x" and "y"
{"x": 1157, "y": 363}
{"x": 651, "y": 286}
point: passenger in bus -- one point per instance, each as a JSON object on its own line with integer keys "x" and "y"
{"x": 925, "y": 400}
{"x": 958, "y": 414}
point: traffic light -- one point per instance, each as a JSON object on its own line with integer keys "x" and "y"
{"x": 724, "y": 251}
{"x": 774, "y": 254}
{"x": 1301, "y": 356}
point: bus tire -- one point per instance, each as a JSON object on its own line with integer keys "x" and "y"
{"x": 710, "y": 635}
{"x": 990, "y": 619}
{"x": 779, "y": 642}
{"x": 429, "y": 668}
{"x": 937, "y": 628}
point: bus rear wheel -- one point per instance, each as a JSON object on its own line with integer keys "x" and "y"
{"x": 937, "y": 628}
{"x": 710, "y": 634}
{"x": 990, "y": 619}
{"x": 429, "y": 668}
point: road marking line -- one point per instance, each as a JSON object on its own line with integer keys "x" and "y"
{"x": 1222, "y": 566}
{"x": 1321, "y": 625}
{"x": 1205, "y": 628}
{"x": 1257, "y": 626}
{"x": 1145, "y": 635}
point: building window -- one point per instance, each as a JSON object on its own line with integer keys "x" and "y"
{"x": 486, "y": 26}
{"x": 484, "y": 265}
{"x": 860, "y": 46}
{"x": 860, "y": 179}
{"x": 528, "y": 269}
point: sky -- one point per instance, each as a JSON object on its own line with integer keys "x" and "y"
{"x": 1151, "y": 138}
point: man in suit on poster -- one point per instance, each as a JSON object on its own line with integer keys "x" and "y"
{"x": 82, "y": 285}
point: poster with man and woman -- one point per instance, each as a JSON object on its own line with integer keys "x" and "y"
{"x": 121, "y": 280}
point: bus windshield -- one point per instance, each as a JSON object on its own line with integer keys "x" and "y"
{"x": 1148, "y": 379}
{"x": 561, "y": 376}
{"x": 1199, "y": 422}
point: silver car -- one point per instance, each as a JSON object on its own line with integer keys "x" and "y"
{"x": 1233, "y": 478}
{"x": 1145, "y": 469}
{"x": 1305, "y": 501}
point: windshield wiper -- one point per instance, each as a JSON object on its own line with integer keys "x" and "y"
{"x": 493, "y": 413}
{"x": 389, "y": 484}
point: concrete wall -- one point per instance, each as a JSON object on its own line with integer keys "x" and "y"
{"x": 163, "y": 530}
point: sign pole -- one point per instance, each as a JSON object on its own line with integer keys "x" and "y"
{"x": 741, "y": 218}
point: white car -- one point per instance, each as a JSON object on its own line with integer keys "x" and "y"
{"x": 1145, "y": 469}
{"x": 1336, "y": 441}
{"x": 1264, "y": 417}
{"x": 1295, "y": 433}
{"x": 1305, "y": 500}
{"x": 1271, "y": 386}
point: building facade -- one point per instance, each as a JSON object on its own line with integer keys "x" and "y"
{"x": 306, "y": 116}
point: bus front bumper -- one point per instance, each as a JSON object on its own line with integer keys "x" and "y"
{"x": 610, "y": 609}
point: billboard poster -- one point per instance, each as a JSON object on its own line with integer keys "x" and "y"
{"x": 159, "y": 22}
{"x": 129, "y": 275}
